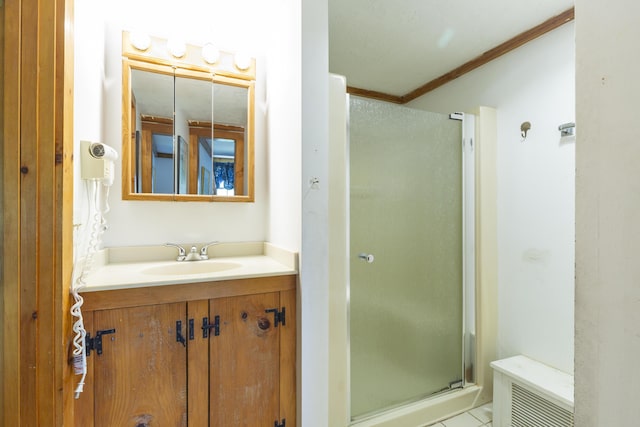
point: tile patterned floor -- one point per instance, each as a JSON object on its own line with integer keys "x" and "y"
{"x": 478, "y": 417}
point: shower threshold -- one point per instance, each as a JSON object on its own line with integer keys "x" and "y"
{"x": 425, "y": 410}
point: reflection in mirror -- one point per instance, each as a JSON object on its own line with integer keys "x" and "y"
{"x": 217, "y": 161}
{"x": 221, "y": 155}
{"x": 187, "y": 131}
{"x": 193, "y": 104}
{"x": 220, "y": 160}
{"x": 152, "y": 113}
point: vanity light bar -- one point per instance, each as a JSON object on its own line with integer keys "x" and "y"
{"x": 206, "y": 58}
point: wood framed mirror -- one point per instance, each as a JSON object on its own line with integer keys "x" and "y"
{"x": 187, "y": 129}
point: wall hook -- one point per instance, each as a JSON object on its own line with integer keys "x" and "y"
{"x": 524, "y": 128}
{"x": 567, "y": 129}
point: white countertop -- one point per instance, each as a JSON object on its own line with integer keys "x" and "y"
{"x": 122, "y": 268}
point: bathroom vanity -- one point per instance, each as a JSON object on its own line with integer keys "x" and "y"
{"x": 206, "y": 343}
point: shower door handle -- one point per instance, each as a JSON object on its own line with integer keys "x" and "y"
{"x": 366, "y": 257}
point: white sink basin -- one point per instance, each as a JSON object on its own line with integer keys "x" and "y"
{"x": 191, "y": 267}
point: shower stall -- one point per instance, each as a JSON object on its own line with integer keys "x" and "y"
{"x": 406, "y": 305}
{"x": 409, "y": 202}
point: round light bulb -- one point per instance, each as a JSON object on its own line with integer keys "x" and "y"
{"x": 140, "y": 41}
{"x": 210, "y": 53}
{"x": 243, "y": 61}
{"x": 176, "y": 47}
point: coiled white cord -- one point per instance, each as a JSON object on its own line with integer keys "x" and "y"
{"x": 80, "y": 270}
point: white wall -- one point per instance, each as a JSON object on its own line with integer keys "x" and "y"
{"x": 88, "y": 101}
{"x": 284, "y": 133}
{"x": 607, "y": 373}
{"x": 534, "y": 83}
{"x": 271, "y": 31}
{"x": 314, "y": 271}
{"x": 98, "y": 114}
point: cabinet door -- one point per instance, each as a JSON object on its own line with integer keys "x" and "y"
{"x": 140, "y": 378}
{"x": 245, "y": 362}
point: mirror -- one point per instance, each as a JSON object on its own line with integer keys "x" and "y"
{"x": 187, "y": 133}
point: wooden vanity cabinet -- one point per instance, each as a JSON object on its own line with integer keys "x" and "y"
{"x": 141, "y": 373}
{"x": 205, "y": 354}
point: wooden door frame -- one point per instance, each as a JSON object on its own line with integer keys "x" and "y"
{"x": 150, "y": 127}
{"x": 235, "y": 133}
{"x": 37, "y": 213}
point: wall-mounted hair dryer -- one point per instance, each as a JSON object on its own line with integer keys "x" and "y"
{"x": 98, "y": 161}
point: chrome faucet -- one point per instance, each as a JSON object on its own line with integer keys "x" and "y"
{"x": 203, "y": 250}
{"x": 193, "y": 254}
{"x": 182, "y": 255}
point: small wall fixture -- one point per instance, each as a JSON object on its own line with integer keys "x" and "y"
{"x": 524, "y": 128}
{"x": 567, "y": 129}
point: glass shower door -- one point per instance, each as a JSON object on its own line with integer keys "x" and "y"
{"x": 406, "y": 305}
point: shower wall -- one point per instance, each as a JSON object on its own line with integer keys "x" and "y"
{"x": 536, "y": 190}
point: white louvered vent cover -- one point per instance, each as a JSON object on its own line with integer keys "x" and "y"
{"x": 531, "y": 410}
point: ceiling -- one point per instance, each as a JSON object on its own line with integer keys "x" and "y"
{"x": 396, "y": 46}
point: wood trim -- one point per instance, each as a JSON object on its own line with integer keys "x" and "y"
{"x": 288, "y": 359}
{"x": 250, "y": 146}
{"x": 65, "y": 380}
{"x": 146, "y": 153}
{"x": 130, "y": 168}
{"x": 2, "y": 39}
{"x": 187, "y": 198}
{"x": 194, "y": 152}
{"x": 488, "y": 56}
{"x": 207, "y": 125}
{"x": 144, "y": 118}
{"x": 238, "y": 167}
{"x": 132, "y": 297}
{"x": 128, "y": 129}
{"x": 196, "y": 130}
{"x": 372, "y": 94}
{"x": 149, "y": 128}
{"x": 56, "y": 379}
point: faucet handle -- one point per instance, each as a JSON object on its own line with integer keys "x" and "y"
{"x": 203, "y": 250}
{"x": 182, "y": 254}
